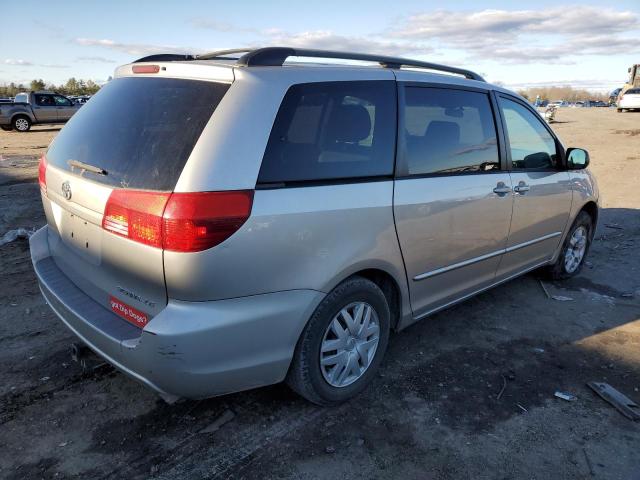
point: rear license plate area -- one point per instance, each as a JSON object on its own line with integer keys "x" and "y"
{"x": 81, "y": 236}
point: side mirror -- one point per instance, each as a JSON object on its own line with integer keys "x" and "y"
{"x": 577, "y": 159}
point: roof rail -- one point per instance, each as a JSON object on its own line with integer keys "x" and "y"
{"x": 223, "y": 53}
{"x": 165, "y": 57}
{"x": 276, "y": 56}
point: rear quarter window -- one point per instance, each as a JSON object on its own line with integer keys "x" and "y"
{"x": 332, "y": 130}
{"x": 140, "y": 130}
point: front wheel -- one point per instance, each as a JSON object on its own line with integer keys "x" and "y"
{"x": 6, "y": 128}
{"x": 574, "y": 249}
{"x": 343, "y": 344}
{"x": 22, "y": 124}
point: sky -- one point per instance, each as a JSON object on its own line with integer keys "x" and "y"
{"x": 518, "y": 44}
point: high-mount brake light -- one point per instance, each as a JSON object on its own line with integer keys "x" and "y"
{"x": 145, "y": 68}
{"x": 42, "y": 174}
{"x": 180, "y": 222}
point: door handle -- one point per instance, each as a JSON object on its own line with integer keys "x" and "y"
{"x": 521, "y": 188}
{"x": 502, "y": 189}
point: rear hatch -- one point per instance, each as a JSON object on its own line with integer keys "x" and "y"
{"x": 121, "y": 155}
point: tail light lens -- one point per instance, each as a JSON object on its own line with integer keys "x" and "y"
{"x": 197, "y": 221}
{"x": 136, "y": 215}
{"x": 181, "y": 222}
{"x": 42, "y": 174}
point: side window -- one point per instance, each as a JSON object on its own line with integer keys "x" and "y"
{"x": 532, "y": 146}
{"x": 449, "y": 131}
{"x": 61, "y": 101}
{"x": 44, "y": 100}
{"x": 332, "y": 130}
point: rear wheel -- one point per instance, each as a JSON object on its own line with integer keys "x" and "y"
{"x": 574, "y": 249}
{"x": 22, "y": 124}
{"x": 343, "y": 344}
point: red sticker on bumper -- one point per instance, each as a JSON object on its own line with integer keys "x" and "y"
{"x": 130, "y": 314}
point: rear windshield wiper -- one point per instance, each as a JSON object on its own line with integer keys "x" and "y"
{"x": 87, "y": 167}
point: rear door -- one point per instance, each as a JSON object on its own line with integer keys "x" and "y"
{"x": 541, "y": 185}
{"x": 65, "y": 109}
{"x": 133, "y": 139}
{"x": 44, "y": 108}
{"x": 452, "y": 198}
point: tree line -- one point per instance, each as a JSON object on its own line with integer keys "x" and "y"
{"x": 568, "y": 94}
{"x": 73, "y": 86}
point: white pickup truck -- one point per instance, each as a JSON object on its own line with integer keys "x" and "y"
{"x": 35, "y": 108}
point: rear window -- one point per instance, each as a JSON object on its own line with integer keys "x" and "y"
{"x": 633, "y": 91}
{"x": 139, "y": 130}
{"x": 332, "y": 130}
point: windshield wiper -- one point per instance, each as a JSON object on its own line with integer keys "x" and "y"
{"x": 87, "y": 167}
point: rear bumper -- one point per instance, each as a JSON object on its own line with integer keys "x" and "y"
{"x": 190, "y": 349}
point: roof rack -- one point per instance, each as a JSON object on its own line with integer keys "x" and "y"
{"x": 223, "y": 53}
{"x": 276, "y": 56}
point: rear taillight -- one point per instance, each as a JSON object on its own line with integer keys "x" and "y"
{"x": 197, "y": 221}
{"x": 181, "y": 222}
{"x": 136, "y": 215}
{"x": 42, "y": 173}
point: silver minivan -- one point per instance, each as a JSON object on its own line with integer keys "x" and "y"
{"x": 226, "y": 221}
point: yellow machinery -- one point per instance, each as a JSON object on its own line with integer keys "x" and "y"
{"x": 633, "y": 81}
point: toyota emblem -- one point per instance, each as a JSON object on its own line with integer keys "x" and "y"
{"x": 66, "y": 190}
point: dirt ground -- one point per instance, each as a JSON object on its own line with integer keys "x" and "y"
{"x": 435, "y": 410}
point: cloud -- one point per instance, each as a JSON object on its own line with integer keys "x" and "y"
{"x": 12, "y": 61}
{"x": 219, "y": 26}
{"x": 132, "y": 48}
{"x": 25, "y": 63}
{"x": 327, "y": 40}
{"x": 552, "y": 35}
{"x": 95, "y": 59}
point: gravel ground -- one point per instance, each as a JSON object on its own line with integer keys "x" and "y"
{"x": 435, "y": 411}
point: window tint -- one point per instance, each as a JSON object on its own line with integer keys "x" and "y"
{"x": 61, "y": 101}
{"x": 332, "y": 130}
{"x": 531, "y": 144}
{"x": 449, "y": 131}
{"x": 44, "y": 100}
{"x": 633, "y": 91}
{"x": 140, "y": 130}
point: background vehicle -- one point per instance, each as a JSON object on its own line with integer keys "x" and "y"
{"x": 216, "y": 224}
{"x": 35, "y": 108}
{"x": 613, "y": 96}
{"x": 630, "y": 100}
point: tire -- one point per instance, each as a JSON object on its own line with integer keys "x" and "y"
{"x": 6, "y": 128}
{"x": 21, "y": 123}
{"x": 308, "y": 378}
{"x": 619, "y": 110}
{"x": 568, "y": 264}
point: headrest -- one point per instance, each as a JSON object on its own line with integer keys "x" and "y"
{"x": 444, "y": 131}
{"x": 349, "y": 123}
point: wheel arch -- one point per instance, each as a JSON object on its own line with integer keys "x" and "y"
{"x": 23, "y": 114}
{"x": 397, "y": 298}
{"x": 591, "y": 208}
